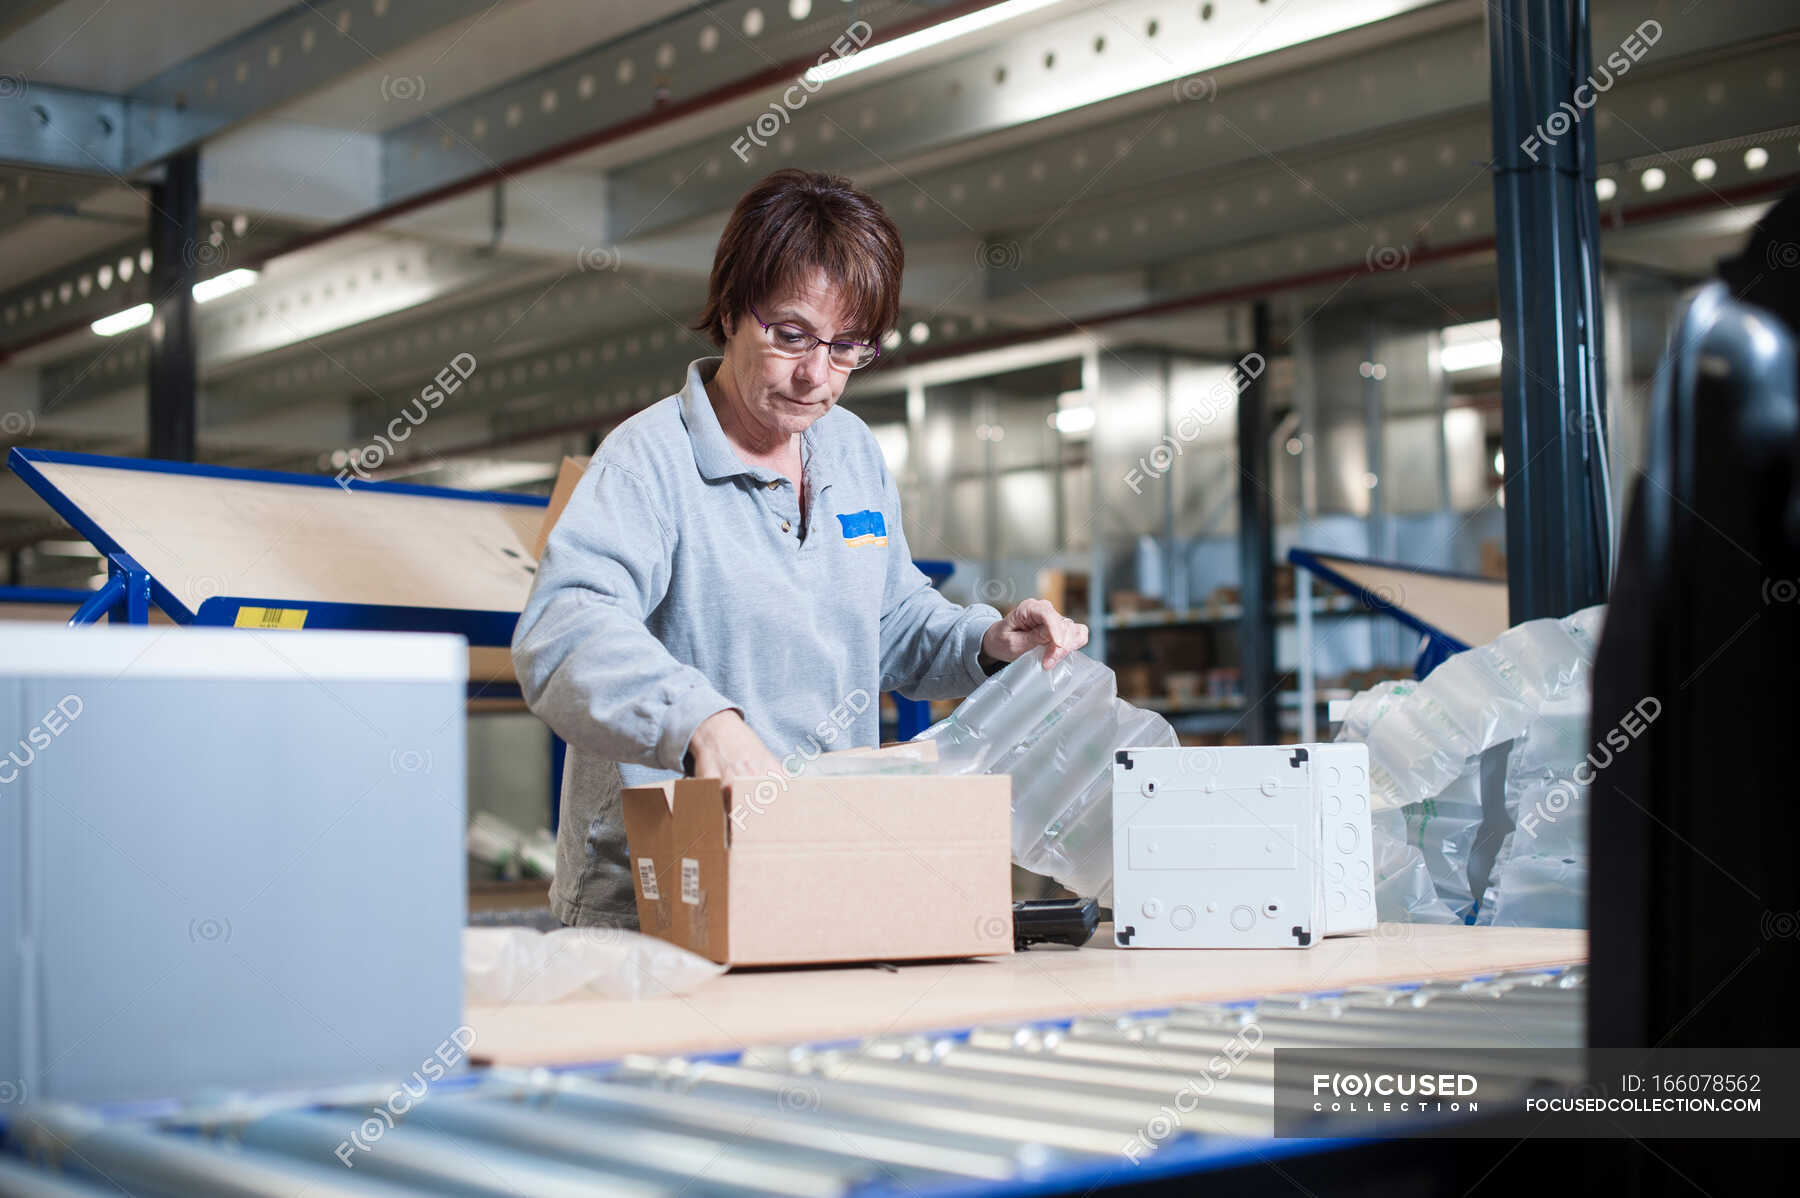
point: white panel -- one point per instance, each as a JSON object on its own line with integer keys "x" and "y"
{"x": 1465, "y": 439}
{"x": 109, "y": 651}
{"x": 1027, "y": 516}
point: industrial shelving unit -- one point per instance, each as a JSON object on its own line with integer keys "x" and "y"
{"x": 1212, "y": 715}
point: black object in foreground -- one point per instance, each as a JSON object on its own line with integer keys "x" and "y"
{"x": 1054, "y": 921}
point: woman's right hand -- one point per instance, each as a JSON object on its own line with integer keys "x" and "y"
{"x": 724, "y": 747}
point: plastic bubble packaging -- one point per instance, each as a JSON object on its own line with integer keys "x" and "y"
{"x": 1055, "y": 731}
{"x": 1456, "y": 842}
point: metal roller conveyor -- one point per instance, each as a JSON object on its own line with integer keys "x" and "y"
{"x": 1530, "y": 1002}
{"x": 1133, "y": 1092}
{"x": 1534, "y": 1001}
{"x": 1021, "y": 1081}
{"x": 438, "y": 1163}
{"x": 657, "y": 1156}
{"x": 148, "y": 1163}
{"x": 913, "y": 1158}
{"x": 1108, "y": 1043}
{"x": 922, "y": 1113}
{"x": 1557, "y": 1002}
{"x": 952, "y": 1111}
{"x": 1495, "y": 1024}
{"x": 1474, "y": 1029}
{"x": 1108, "y": 1058}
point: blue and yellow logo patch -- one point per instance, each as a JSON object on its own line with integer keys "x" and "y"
{"x": 864, "y": 528}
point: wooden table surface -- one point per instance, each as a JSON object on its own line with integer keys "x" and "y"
{"x": 796, "y": 1005}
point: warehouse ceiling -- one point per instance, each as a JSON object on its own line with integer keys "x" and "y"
{"x": 540, "y": 183}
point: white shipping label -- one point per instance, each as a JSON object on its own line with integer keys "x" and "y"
{"x": 690, "y": 881}
{"x": 647, "y": 878}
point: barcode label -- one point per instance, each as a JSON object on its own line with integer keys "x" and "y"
{"x": 690, "y": 881}
{"x": 647, "y": 878}
{"x": 283, "y": 618}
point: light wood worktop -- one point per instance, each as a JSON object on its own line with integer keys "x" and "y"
{"x": 795, "y": 1005}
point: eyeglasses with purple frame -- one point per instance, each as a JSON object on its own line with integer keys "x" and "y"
{"x": 792, "y": 341}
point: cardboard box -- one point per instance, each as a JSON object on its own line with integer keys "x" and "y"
{"x": 566, "y": 478}
{"x": 1131, "y": 603}
{"x": 1067, "y": 590}
{"x": 1135, "y": 680}
{"x": 858, "y": 867}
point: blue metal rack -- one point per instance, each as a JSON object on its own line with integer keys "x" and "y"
{"x": 129, "y": 589}
{"x": 47, "y": 596}
{"x": 1439, "y": 644}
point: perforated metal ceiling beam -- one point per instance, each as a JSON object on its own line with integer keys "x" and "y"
{"x": 284, "y": 57}
{"x": 110, "y": 280}
{"x": 1653, "y": 112}
{"x": 1068, "y": 60}
{"x": 28, "y": 194}
{"x": 709, "y": 55}
{"x": 1427, "y": 68}
{"x": 599, "y": 309}
{"x": 375, "y": 281}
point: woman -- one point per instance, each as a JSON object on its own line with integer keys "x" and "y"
{"x": 730, "y": 584}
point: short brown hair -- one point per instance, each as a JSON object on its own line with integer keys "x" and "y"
{"x": 793, "y": 223}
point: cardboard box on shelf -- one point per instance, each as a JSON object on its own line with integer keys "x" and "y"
{"x": 1183, "y": 685}
{"x": 1067, "y": 590}
{"x": 820, "y": 868}
{"x": 1130, "y": 603}
{"x": 1135, "y": 680}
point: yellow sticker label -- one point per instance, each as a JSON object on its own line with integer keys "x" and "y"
{"x": 285, "y": 618}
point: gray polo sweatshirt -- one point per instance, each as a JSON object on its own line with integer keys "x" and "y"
{"x": 679, "y": 583}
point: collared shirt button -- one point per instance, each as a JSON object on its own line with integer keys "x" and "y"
{"x": 774, "y": 483}
{"x": 785, "y": 526}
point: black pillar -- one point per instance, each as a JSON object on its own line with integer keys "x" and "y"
{"x": 1256, "y": 541}
{"x": 1551, "y": 378}
{"x": 174, "y": 242}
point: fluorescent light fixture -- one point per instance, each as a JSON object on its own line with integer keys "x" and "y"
{"x": 225, "y": 284}
{"x": 924, "y": 39}
{"x": 1470, "y": 346}
{"x": 1472, "y": 356}
{"x": 206, "y": 289}
{"x": 1074, "y": 421}
{"x": 122, "y": 322}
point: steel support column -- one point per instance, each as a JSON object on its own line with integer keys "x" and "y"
{"x": 175, "y": 242}
{"x": 1551, "y": 378}
{"x": 1256, "y": 544}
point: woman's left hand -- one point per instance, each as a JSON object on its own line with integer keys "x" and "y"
{"x": 1034, "y": 622}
